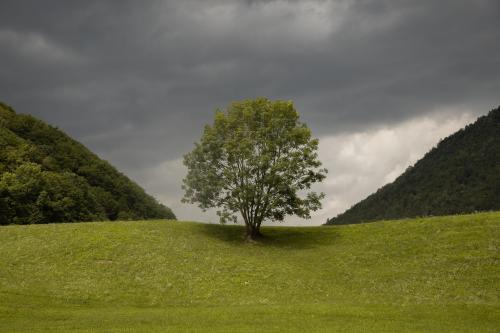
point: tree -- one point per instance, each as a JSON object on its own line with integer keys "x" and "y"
{"x": 256, "y": 159}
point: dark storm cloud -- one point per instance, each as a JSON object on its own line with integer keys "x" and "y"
{"x": 136, "y": 80}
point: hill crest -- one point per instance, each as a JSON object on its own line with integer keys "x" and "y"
{"x": 460, "y": 175}
{"x": 46, "y": 176}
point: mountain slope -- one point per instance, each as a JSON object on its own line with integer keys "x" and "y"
{"x": 460, "y": 175}
{"x": 45, "y": 176}
{"x": 425, "y": 275}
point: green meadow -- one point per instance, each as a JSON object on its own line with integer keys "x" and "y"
{"x": 439, "y": 274}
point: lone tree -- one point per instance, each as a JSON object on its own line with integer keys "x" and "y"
{"x": 255, "y": 159}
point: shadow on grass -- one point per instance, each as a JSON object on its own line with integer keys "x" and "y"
{"x": 279, "y": 237}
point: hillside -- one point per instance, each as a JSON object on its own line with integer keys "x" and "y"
{"x": 45, "y": 176}
{"x": 427, "y": 275}
{"x": 460, "y": 175}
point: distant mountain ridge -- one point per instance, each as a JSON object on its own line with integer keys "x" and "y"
{"x": 47, "y": 177}
{"x": 460, "y": 175}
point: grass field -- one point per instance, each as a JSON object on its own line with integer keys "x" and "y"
{"x": 424, "y": 275}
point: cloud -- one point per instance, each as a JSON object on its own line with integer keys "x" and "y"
{"x": 33, "y": 47}
{"x": 274, "y": 23}
{"x": 361, "y": 162}
{"x": 136, "y": 82}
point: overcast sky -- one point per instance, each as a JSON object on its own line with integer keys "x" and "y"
{"x": 379, "y": 82}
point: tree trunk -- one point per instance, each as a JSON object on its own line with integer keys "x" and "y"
{"x": 253, "y": 232}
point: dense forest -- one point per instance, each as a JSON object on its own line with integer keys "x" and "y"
{"x": 47, "y": 177}
{"x": 460, "y": 175}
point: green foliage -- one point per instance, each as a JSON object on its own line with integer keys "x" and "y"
{"x": 460, "y": 175}
{"x": 425, "y": 275}
{"x": 30, "y": 195}
{"x": 45, "y": 176}
{"x": 255, "y": 159}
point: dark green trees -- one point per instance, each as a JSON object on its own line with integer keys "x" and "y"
{"x": 31, "y": 195}
{"x": 45, "y": 176}
{"x": 255, "y": 159}
{"x": 460, "y": 175}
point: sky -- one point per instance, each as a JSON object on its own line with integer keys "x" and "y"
{"x": 379, "y": 82}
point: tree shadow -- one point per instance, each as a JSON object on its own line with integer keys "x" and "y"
{"x": 276, "y": 237}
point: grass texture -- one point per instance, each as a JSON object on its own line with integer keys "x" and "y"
{"x": 439, "y": 274}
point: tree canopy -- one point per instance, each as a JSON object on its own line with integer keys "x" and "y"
{"x": 256, "y": 159}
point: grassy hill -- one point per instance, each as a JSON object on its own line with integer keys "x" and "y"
{"x": 45, "y": 176}
{"x": 460, "y": 175}
{"x": 437, "y": 274}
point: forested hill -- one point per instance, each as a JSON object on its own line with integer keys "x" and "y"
{"x": 45, "y": 176}
{"x": 460, "y": 175}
